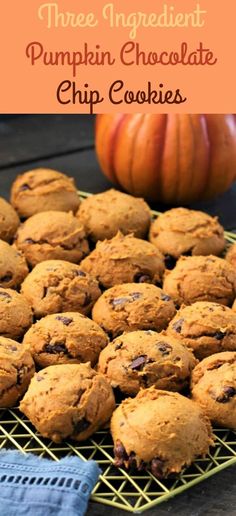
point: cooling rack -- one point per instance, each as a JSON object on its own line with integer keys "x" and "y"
{"x": 135, "y": 491}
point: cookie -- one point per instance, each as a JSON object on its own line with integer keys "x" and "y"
{"x": 9, "y": 221}
{"x": 106, "y": 213}
{"x": 231, "y": 255}
{"x": 64, "y": 338}
{"x": 15, "y": 314}
{"x": 58, "y": 286}
{"x": 16, "y": 371}
{"x": 68, "y": 401}
{"x": 43, "y": 189}
{"x": 13, "y": 266}
{"x": 132, "y": 307}
{"x": 186, "y": 232}
{"x": 201, "y": 278}
{"x": 52, "y": 235}
{"x": 124, "y": 259}
{"x": 159, "y": 430}
{"x": 214, "y": 388}
{"x": 145, "y": 358}
{"x": 206, "y": 328}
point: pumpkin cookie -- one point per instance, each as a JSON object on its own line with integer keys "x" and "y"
{"x": 9, "y": 221}
{"x": 201, "y": 278}
{"x": 124, "y": 259}
{"x": 43, "y": 189}
{"x": 106, "y": 213}
{"x": 207, "y": 328}
{"x": 52, "y": 235}
{"x": 231, "y": 255}
{"x": 132, "y": 307}
{"x": 186, "y": 232}
{"x": 68, "y": 401}
{"x": 16, "y": 370}
{"x": 67, "y": 337}
{"x": 214, "y": 388}
{"x": 144, "y": 358}
{"x": 15, "y": 314}
{"x": 13, "y": 267}
{"x": 159, "y": 430}
{"x": 57, "y": 286}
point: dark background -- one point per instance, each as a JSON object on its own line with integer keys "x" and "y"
{"x": 66, "y": 143}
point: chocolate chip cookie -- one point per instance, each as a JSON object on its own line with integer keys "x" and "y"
{"x": 13, "y": 266}
{"x": 159, "y": 430}
{"x": 58, "y": 286}
{"x": 16, "y": 370}
{"x": 201, "y": 278}
{"x": 132, "y": 307}
{"x": 214, "y": 388}
{"x": 52, "y": 235}
{"x": 125, "y": 259}
{"x": 9, "y": 221}
{"x": 68, "y": 401}
{"x": 43, "y": 189}
{"x": 64, "y": 338}
{"x": 144, "y": 358}
{"x": 15, "y": 314}
{"x": 186, "y": 232}
{"x": 231, "y": 255}
{"x": 207, "y": 328}
{"x": 104, "y": 214}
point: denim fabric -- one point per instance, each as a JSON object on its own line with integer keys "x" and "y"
{"x": 31, "y": 486}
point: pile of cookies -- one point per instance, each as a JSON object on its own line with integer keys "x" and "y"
{"x": 105, "y": 303}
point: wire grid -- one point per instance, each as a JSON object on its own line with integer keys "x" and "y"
{"x": 134, "y": 491}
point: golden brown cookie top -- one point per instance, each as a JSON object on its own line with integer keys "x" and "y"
{"x": 43, "y": 189}
{"x": 144, "y": 358}
{"x": 52, "y": 235}
{"x": 205, "y": 327}
{"x": 201, "y": 278}
{"x": 133, "y": 306}
{"x": 67, "y": 337}
{"x": 57, "y": 286}
{"x": 162, "y": 427}
{"x": 9, "y": 221}
{"x": 106, "y": 213}
{"x": 13, "y": 266}
{"x": 124, "y": 259}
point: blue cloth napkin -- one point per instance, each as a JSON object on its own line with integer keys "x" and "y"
{"x": 31, "y": 486}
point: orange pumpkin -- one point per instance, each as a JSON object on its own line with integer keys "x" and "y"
{"x": 170, "y": 158}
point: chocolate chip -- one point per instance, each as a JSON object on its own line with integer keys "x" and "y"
{"x": 6, "y": 278}
{"x": 65, "y": 320}
{"x": 87, "y": 299}
{"x": 81, "y": 426}
{"x": 118, "y": 346}
{"x": 219, "y": 335}
{"x": 119, "y": 301}
{"x": 119, "y": 452}
{"x": 138, "y": 363}
{"x": 165, "y": 297}
{"x": 178, "y": 325}
{"x": 140, "y": 277}
{"x": 12, "y": 348}
{"x": 24, "y": 187}
{"x": 227, "y": 394}
{"x": 157, "y": 468}
{"x": 79, "y": 273}
{"x": 57, "y": 347}
{"x": 164, "y": 348}
{"x": 170, "y": 262}
{"x": 135, "y": 295}
{"x": 39, "y": 378}
{"x": 29, "y": 241}
{"x": 5, "y": 295}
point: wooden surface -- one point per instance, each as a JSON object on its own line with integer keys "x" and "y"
{"x": 66, "y": 144}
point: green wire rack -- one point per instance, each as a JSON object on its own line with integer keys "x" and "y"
{"x": 131, "y": 491}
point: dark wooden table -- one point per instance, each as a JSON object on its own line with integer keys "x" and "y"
{"x": 66, "y": 143}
